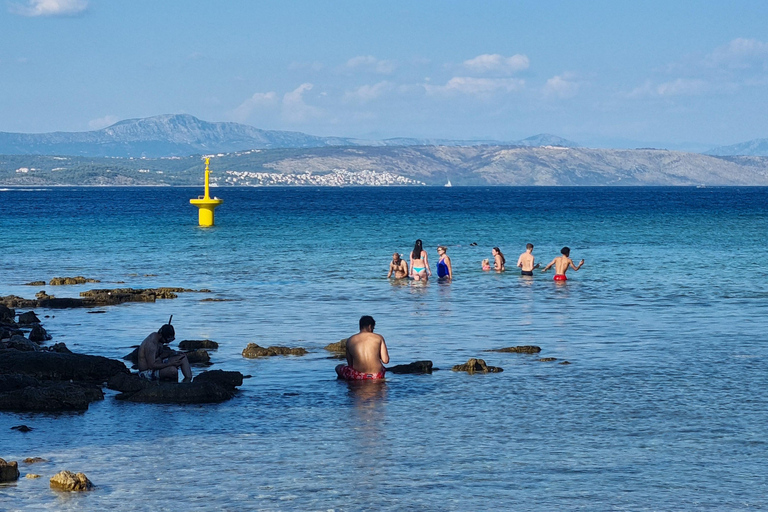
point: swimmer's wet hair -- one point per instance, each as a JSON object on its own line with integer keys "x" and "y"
{"x": 529, "y": 246}
{"x": 366, "y": 321}
{"x": 566, "y": 251}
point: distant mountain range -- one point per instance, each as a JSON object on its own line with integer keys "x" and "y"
{"x": 757, "y": 147}
{"x": 184, "y": 135}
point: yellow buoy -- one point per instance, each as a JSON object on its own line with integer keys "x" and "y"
{"x": 205, "y": 203}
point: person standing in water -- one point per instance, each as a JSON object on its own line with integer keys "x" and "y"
{"x": 398, "y": 267}
{"x": 498, "y": 260}
{"x": 419, "y": 263}
{"x": 444, "y": 269}
{"x": 526, "y": 261}
{"x": 562, "y": 263}
{"x": 366, "y": 354}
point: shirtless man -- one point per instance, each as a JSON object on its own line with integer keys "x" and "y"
{"x": 158, "y": 362}
{"x": 398, "y": 266}
{"x": 526, "y": 261}
{"x": 562, "y": 263}
{"x": 366, "y": 354}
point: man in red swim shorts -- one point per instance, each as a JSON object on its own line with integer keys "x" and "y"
{"x": 366, "y": 354}
{"x": 562, "y": 263}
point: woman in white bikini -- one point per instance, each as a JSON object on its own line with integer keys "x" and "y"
{"x": 419, "y": 263}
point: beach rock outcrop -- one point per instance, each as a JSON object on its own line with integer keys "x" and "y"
{"x": 41, "y": 295}
{"x": 35, "y": 283}
{"x": 50, "y": 396}
{"x": 476, "y": 366}
{"x": 32, "y": 475}
{"x": 208, "y": 387}
{"x": 46, "y": 365}
{"x": 522, "y": 349}
{"x": 339, "y": 348}
{"x": 100, "y": 297}
{"x": 69, "y": 481}
{"x": 196, "y": 344}
{"x": 223, "y": 378}
{"x": 28, "y": 318}
{"x": 34, "y": 460}
{"x": 39, "y": 334}
{"x": 18, "y": 342}
{"x": 414, "y": 367}
{"x": 59, "y": 281}
{"x": 199, "y": 356}
{"x": 9, "y": 471}
{"x": 547, "y": 359}
{"x": 253, "y": 351}
{"x": 59, "y": 347}
{"x": 7, "y": 315}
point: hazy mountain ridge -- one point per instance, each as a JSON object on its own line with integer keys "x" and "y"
{"x": 432, "y": 165}
{"x": 756, "y": 147}
{"x": 184, "y": 135}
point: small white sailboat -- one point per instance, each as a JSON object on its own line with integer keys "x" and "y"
{"x": 448, "y": 184}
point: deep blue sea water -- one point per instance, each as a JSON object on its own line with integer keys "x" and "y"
{"x": 663, "y": 406}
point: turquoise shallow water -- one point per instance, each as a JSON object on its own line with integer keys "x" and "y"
{"x": 663, "y": 407}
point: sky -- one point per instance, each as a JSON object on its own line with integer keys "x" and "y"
{"x": 686, "y": 75}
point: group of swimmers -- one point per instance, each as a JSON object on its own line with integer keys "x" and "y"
{"x": 420, "y": 271}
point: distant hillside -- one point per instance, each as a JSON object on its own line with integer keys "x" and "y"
{"x": 184, "y": 135}
{"x": 402, "y": 165}
{"x": 757, "y": 147}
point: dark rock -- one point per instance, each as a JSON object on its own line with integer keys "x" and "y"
{"x": 253, "y": 350}
{"x": 14, "y": 381}
{"x": 64, "y": 303}
{"x": 68, "y": 481}
{"x": 198, "y": 356}
{"x": 179, "y": 393}
{"x": 95, "y": 298}
{"x": 565, "y": 362}
{"x": 28, "y": 318}
{"x": 38, "y": 334}
{"x": 34, "y": 460}
{"x": 51, "y": 397}
{"x": 523, "y": 349}
{"x": 22, "y": 428}
{"x": 127, "y": 382}
{"x": 14, "y": 301}
{"x": 60, "y": 366}
{"x": 476, "y": 366}
{"x": 59, "y": 347}
{"x": 41, "y": 295}
{"x": 196, "y": 344}
{"x": 35, "y": 283}
{"x": 229, "y": 380}
{"x": 547, "y": 359}
{"x": 7, "y": 315}
{"x": 21, "y": 343}
{"x": 9, "y": 471}
{"x": 133, "y": 356}
{"x": 414, "y": 367}
{"x": 58, "y": 281}
{"x": 96, "y": 312}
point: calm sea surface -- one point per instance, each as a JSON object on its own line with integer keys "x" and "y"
{"x": 663, "y": 407}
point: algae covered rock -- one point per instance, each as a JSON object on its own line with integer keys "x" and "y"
{"x": 253, "y": 351}
{"x": 34, "y": 460}
{"x": 69, "y": 481}
{"x": 547, "y": 359}
{"x": 9, "y": 471}
{"x": 196, "y": 344}
{"x": 199, "y": 356}
{"x": 59, "y": 281}
{"x": 338, "y": 347}
{"x": 521, "y": 349}
{"x": 476, "y": 366}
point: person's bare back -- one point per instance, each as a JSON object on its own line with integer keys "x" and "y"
{"x": 562, "y": 263}
{"x": 366, "y": 354}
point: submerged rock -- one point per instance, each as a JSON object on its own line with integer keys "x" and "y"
{"x": 196, "y": 344}
{"x": 253, "y": 350}
{"x": 414, "y": 367}
{"x": 58, "y": 281}
{"x": 99, "y": 297}
{"x": 22, "y": 428}
{"x": 477, "y": 366}
{"x": 31, "y": 475}
{"x": 41, "y": 295}
{"x": 69, "y": 481}
{"x": 34, "y": 460}
{"x": 565, "y": 362}
{"x": 9, "y": 471}
{"x": 547, "y": 359}
{"x": 35, "y": 283}
{"x": 522, "y": 349}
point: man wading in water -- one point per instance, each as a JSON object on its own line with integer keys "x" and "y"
{"x": 366, "y": 354}
{"x": 562, "y": 263}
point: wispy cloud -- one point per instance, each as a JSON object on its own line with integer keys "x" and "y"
{"x": 475, "y": 86}
{"x": 34, "y": 8}
{"x": 102, "y": 122}
{"x": 258, "y": 101}
{"x": 372, "y": 64}
{"x": 295, "y": 109}
{"x": 495, "y": 63}
{"x": 740, "y": 54}
{"x": 366, "y": 93}
{"x": 561, "y": 86}
{"x": 677, "y": 87}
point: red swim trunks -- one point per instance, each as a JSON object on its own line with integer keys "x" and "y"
{"x": 348, "y": 373}
{"x": 560, "y": 277}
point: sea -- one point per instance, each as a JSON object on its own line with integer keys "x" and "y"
{"x": 663, "y": 407}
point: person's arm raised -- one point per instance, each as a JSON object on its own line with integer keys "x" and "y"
{"x": 549, "y": 266}
{"x": 574, "y": 267}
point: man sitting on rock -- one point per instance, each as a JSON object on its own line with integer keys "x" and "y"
{"x": 366, "y": 352}
{"x": 158, "y": 362}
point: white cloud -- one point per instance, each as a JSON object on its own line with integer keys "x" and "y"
{"x": 677, "y": 87}
{"x": 739, "y": 53}
{"x": 561, "y": 86}
{"x": 295, "y": 109}
{"x": 49, "y": 7}
{"x": 102, "y": 122}
{"x": 372, "y": 64}
{"x": 475, "y": 86}
{"x": 366, "y": 93}
{"x": 258, "y": 101}
{"x": 496, "y": 63}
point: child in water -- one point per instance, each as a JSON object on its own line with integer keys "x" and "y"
{"x": 486, "y": 264}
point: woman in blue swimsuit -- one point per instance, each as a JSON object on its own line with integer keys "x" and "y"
{"x": 419, "y": 263}
{"x": 444, "y": 269}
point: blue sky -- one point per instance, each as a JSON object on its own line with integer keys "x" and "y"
{"x": 681, "y": 75}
